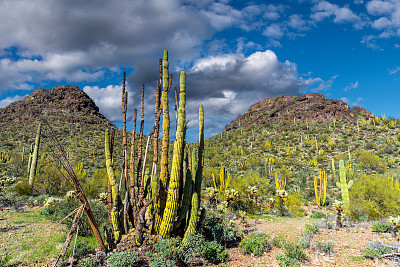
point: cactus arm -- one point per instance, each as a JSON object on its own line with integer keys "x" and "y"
{"x": 277, "y": 181}
{"x": 193, "y": 218}
{"x": 32, "y": 171}
{"x": 316, "y": 191}
{"x": 171, "y": 207}
{"x": 200, "y": 154}
{"x": 343, "y": 186}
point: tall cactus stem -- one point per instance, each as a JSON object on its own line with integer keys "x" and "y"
{"x": 171, "y": 207}
{"x": 193, "y": 218}
{"x": 32, "y": 171}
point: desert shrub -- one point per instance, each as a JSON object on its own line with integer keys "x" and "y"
{"x": 294, "y": 203}
{"x": 256, "y": 243}
{"x": 87, "y": 262}
{"x": 278, "y": 241}
{"x": 381, "y": 227}
{"x": 217, "y": 229}
{"x": 285, "y": 261}
{"x": 214, "y": 252}
{"x": 83, "y": 247}
{"x": 96, "y": 183}
{"x": 123, "y": 259}
{"x": 311, "y": 228}
{"x": 375, "y": 250}
{"x": 22, "y": 187}
{"x": 317, "y": 215}
{"x": 59, "y": 209}
{"x": 325, "y": 247}
{"x": 369, "y": 160}
{"x": 295, "y": 251}
{"x": 374, "y": 197}
{"x": 4, "y": 259}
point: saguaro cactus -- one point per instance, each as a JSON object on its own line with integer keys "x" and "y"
{"x": 344, "y": 186}
{"x": 32, "y": 170}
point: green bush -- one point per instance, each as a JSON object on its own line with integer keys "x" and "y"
{"x": 123, "y": 259}
{"x": 295, "y": 251}
{"x": 60, "y": 210}
{"x": 381, "y": 227}
{"x": 22, "y": 187}
{"x": 285, "y": 261}
{"x": 4, "y": 259}
{"x": 317, "y": 215}
{"x": 311, "y": 228}
{"x": 256, "y": 243}
{"x": 325, "y": 247}
{"x": 369, "y": 160}
{"x": 374, "y": 197}
{"x": 278, "y": 241}
{"x": 214, "y": 252}
{"x": 294, "y": 202}
{"x": 217, "y": 229}
{"x": 375, "y": 250}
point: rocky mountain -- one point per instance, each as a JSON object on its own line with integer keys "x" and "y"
{"x": 61, "y": 104}
{"x": 292, "y": 108}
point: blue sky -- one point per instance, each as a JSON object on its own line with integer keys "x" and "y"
{"x": 234, "y": 53}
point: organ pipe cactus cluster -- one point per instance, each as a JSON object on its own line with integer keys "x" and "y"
{"x": 280, "y": 181}
{"x": 171, "y": 197}
{"x": 33, "y": 158}
{"x": 344, "y": 186}
{"x": 224, "y": 178}
{"x": 323, "y": 184}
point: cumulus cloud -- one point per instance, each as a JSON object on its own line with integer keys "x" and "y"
{"x": 8, "y": 100}
{"x": 228, "y": 84}
{"x": 324, "y": 9}
{"x": 273, "y": 31}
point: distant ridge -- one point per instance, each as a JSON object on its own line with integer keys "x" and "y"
{"x": 292, "y": 108}
{"x": 61, "y": 104}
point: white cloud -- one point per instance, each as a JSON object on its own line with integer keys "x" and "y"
{"x": 394, "y": 70}
{"x": 324, "y": 85}
{"x": 8, "y": 100}
{"x": 273, "y": 31}
{"x": 351, "y": 86}
{"x": 324, "y": 9}
{"x": 378, "y": 8}
{"x": 228, "y": 84}
{"x": 350, "y": 102}
{"x": 381, "y": 23}
{"x": 296, "y": 21}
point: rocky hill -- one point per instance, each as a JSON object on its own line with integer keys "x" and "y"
{"x": 64, "y": 103}
{"x": 292, "y": 108}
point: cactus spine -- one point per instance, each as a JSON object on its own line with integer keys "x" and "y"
{"x": 344, "y": 186}
{"x": 173, "y": 189}
{"x": 32, "y": 169}
{"x": 323, "y": 183}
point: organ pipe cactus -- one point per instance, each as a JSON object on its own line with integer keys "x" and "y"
{"x": 224, "y": 178}
{"x": 344, "y": 186}
{"x": 171, "y": 206}
{"x": 280, "y": 181}
{"x": 174, "y": 192}
{"x": 323, "y": 183}
{"x": 116, "y": 200}
{"x": 32, "y": 168}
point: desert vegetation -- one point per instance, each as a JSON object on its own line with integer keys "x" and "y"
{"x": 152, "y": 202}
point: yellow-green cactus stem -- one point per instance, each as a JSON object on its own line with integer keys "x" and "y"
{"x": 193, "y": 218}
{"x": 200, "y": 153}
{"x": 116, "y": 203}
{"x": 32, "y": 171}
{"x": 171, "y": 207}
{"x": 344, "y": 186}
{"x": 187, "y": 196}
{"x": 165, "y": 145}
{"x": 323, "y": 182}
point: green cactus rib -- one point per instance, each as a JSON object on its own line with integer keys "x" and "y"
{"x": 187, "y": 195}
{"x": 165, "y": 146}
{"x": 30, "y": 160}
{"x": 171, "y": 206}
{"x": 116, "y": 203}
{"x": 344, "y": 186}
{"x": 193, "y": 217}
{"x": 200, "y": 157}
{"x": 32, "y": 171}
